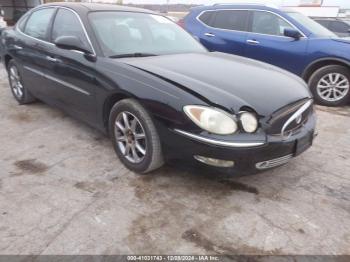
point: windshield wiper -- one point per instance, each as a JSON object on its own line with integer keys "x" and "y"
{"x": 132, "y": 55}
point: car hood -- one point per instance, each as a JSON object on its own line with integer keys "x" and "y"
{"x": 226, "y": 80}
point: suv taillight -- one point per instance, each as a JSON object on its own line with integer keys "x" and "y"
{"x": 181, "y": 23}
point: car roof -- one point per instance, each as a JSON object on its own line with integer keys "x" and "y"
{"x": 88, "y": 7}
{"x": 267, "y": 7}
{"x": 251, "y": 5}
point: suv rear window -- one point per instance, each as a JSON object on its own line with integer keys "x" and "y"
{"x": 231, "y": 19}
{"x": 207, "y": 17}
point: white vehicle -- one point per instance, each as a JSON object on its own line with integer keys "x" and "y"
{"x": 317, "y": 11}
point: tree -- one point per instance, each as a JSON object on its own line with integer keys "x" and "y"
{"x": 119, "y": 2}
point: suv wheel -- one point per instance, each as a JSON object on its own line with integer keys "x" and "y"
{"x": 330, "y": 85}
{"x": 20, "y": 93}
{"x": 134, "y": 136}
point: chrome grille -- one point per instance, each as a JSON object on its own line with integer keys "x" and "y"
{"x": 273, "y": 162}
{"x": 298, "y": 112}
{"x": 295, "y": 119}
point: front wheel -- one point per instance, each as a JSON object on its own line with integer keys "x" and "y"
{"x": 134, "y": 137}
{"x": 330, "y": 85}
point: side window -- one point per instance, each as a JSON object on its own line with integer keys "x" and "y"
{"x": 340, "y": 27}
{"x": 269, "y": 24}
{"x": 207, "y": 17}
{"x": 231, "y": 19}
{"x": 39, "y": 22}
{"x": 67, "y": 24}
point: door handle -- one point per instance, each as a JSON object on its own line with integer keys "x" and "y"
{"x": 51, "y": 59}
{"x": 17, "y": 47}
{"x": 253, "y": 42}
{"x": 209, "y": 34}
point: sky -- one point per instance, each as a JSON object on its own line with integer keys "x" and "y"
{"x": 342, "y": 3}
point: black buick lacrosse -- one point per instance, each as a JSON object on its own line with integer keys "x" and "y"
{"x": 157, "y": 92}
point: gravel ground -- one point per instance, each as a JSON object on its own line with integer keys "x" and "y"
{"x": 63, "y": 191}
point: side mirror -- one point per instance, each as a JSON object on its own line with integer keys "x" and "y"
{"x": 292, "y": 33}
{"x": 71, "y": 43}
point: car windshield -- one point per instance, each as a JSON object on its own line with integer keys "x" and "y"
{"x": 123, "y": 34}
{"x": 311, "y": 25}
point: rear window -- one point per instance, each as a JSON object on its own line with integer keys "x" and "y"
{"x": 207, "y": 17}
{"x": 38, "y": 23}
{"x": 231, "y": 20}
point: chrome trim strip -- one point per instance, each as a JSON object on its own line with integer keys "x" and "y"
{"x": 295, "y": 116}
{"x": 240, "y": 9}
{"x": 273, "y": 162}
{"x": 219, "y": 142}
{"x": 33, "y": 70}
{"x": 66, "y": 84}
{"x": 37, "y": 39}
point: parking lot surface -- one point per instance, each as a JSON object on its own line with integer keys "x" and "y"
{"x": 63, "y": 191}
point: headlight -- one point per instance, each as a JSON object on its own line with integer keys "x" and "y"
{"x": 249, "y": 122}
{"x": 212, "y": 120}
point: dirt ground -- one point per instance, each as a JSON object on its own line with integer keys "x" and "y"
{"x": 63, "y": 191}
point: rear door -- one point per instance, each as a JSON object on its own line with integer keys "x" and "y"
{"x": 225, "y": 30}
{"x": 72, "y": 72}
{"x": 33, "y": 47}
{"x": 267, "y": 42}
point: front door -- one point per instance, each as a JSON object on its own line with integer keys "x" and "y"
{"x": 267, "y": 42}
{"x": 72, "y": 72}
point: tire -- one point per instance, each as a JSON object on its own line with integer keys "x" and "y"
{"x": 18, "y": 89}
{"x": 129, "y": 143}
{"x": 337, "y": 78}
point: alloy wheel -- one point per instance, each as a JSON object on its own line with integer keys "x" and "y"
{"x": 130, "y": 137}
{"x": 15, "y": 82}
{"x": 333, "y": 87}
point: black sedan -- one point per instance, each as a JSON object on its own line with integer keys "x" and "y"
{"x": 156, "y": 91}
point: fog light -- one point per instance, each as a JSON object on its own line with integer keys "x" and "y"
{"x": 214, "y": 162}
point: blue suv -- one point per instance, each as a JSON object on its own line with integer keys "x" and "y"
{"x": 285, "y": 38}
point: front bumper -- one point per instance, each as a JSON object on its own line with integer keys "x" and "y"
{"x": 249, "y": 158}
